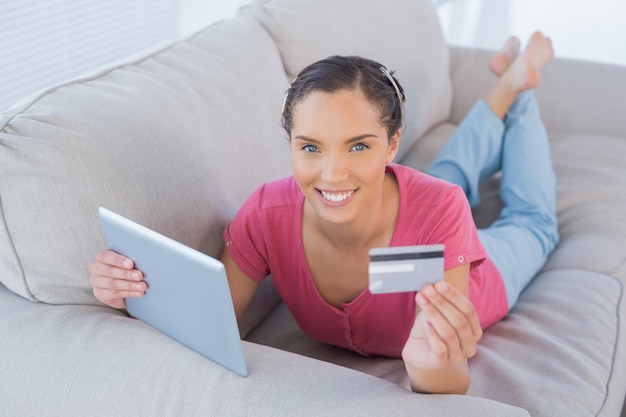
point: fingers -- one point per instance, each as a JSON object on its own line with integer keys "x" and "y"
{"x": 109, "y": 257}
{"x": 452, "y": 324}
{"x": 114, "y": 278}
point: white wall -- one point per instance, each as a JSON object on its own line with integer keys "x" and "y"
{"x": 583, "y": 29}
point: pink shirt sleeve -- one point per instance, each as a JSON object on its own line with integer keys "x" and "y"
{"x": 458, "y": 232}
{"x": 244, "y": 238}
{"x": 436, "y": 212}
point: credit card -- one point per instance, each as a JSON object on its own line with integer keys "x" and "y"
{"x": 404, "y": 268}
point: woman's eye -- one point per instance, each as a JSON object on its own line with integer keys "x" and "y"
{"x": 359, "y": 147}
{"x": 310, "y": 148}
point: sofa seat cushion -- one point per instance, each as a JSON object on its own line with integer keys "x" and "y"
{"x": 591, "y": 198}
{"x": 562, "y": 329}
{"x": 76, "y": 360}
{"x": 559, "y": 350}
{"x": 404, "y": 35}
{"x": 175, "y": 140}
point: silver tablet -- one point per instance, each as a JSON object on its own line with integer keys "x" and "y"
{"x": 188, "y": 297}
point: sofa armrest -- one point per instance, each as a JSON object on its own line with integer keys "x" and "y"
{"x": 89, "y": 360}
{"x": 575, "y": 96}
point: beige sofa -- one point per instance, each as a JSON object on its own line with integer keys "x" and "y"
{"x": 177, "y": 138}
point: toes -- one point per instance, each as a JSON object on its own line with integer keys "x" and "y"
{"x": 511, "y": 47}
{"x": 503, "y": 59}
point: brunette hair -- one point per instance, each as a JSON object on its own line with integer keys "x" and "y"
{"x": 336, "y": 73}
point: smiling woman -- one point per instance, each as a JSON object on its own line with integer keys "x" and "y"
{"x": 344, "y": 118}
{"x": 45, "y": 43}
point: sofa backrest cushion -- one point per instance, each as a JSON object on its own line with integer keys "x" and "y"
{"x": 175, "y": 140}
{"x": 404, "y": 35}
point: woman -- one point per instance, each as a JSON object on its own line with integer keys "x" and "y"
{"x": 313, "y": 231}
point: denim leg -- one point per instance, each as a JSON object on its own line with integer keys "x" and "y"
{"x": 473, "y": 153}
{"x": 526, "y": 232}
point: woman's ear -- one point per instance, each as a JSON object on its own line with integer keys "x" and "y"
{"x": 394, "y": 145}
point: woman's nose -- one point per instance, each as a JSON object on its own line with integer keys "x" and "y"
{"x": 335, "y": 169}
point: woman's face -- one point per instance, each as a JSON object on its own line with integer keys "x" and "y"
{"x": 339, "y": 151}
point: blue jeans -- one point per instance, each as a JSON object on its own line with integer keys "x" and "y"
{"x": 521, "y": 239}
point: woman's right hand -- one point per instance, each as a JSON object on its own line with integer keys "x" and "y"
{"x": 114, "y": 277}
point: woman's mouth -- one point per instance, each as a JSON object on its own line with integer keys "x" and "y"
{"x": 336, "y": 198}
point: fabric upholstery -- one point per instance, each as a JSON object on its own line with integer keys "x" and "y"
{"x": 83, "y": 360}
{"x": 158, "y": 140}
{"x": 179, "y": 138}
{"x": 576, "y": 348}
{"x": 405, "y": 36}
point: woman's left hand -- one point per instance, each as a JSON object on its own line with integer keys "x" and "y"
{"x": 446, "y": 330}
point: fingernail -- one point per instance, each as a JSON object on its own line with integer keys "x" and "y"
{"x": 441, "y": 286}
{"x": 429, "y": 291}
{"x": 127, "y": 263}
{"x": 139, "y": 287}
{"x": 136, "y": 275}
{"x": 421, "y": 299}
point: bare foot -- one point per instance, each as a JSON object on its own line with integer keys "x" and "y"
{"x": 524, "y": 72}
{"x": 501, "y": 61}
{"x": 518, "y": 72}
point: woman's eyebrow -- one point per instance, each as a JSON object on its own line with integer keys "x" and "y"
{"x": 360, "y": 138}
{"x": 347, "y": 141}
{"x": 307, "y": 139}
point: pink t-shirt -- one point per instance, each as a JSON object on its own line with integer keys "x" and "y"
{"x": 266, "y": 237}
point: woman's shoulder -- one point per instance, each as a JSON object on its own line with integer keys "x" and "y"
{"x": 270, "y": 205}
{"x": 283, "y": 192}
{"x": 412, "y": 181}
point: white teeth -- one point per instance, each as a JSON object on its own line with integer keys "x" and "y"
{"x": 336, "y": 197}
